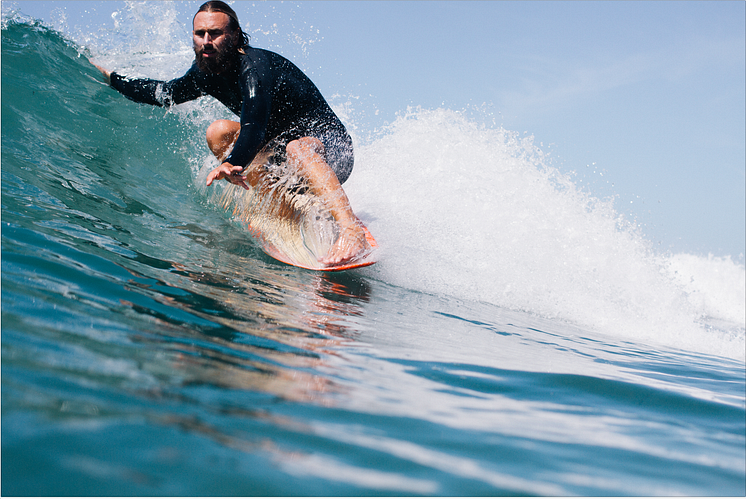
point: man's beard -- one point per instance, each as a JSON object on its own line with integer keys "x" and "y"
{"x": 221, "y": 61}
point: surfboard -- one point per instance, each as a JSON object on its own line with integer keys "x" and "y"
{"x": 291, "y": 224}
{"x": 272, "y": 250}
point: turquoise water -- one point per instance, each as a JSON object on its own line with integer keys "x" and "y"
{"x": 149, "y": 347}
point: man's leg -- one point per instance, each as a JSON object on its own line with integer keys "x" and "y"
{"x": 307, "y": 156}
{"x": 221, "y": 135}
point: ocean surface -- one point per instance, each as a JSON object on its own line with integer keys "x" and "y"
{"x": 517, "y": 337}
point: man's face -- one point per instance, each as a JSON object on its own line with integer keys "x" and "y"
{"x": 214, "y": 43}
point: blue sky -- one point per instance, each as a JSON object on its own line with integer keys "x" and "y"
{"x": 645, "y": 101}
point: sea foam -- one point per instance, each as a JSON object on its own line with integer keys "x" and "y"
{"x": 479, "y": 213}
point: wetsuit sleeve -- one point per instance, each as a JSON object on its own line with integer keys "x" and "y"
{"x": 157, "y": 92}
{"x": 255, "y": 113}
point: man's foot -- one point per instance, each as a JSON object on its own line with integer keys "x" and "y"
{"x": 351, "y": 244}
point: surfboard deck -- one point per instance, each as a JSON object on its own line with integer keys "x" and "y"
{"x": 363, "y": 260}
{"x": 291, "y": 224}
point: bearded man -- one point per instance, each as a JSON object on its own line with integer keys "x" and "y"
{"x": 282, "y": 115}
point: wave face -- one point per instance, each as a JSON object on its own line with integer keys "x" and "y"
{"x": 517, "y": 336}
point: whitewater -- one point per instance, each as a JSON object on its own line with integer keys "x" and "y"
{"x": 517, "y": 335}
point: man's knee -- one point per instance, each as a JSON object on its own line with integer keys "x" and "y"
{"x": 303, "y": 146}
{"x": 222, "y": 133}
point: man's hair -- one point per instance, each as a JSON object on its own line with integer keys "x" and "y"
{"x": 233, "y": 24}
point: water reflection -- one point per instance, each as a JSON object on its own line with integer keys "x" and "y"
{"x": 269, "y": 330}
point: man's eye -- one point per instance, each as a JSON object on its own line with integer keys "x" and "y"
{"x": 213, "y": 33}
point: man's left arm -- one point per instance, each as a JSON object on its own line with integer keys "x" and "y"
{"x": 255, "y": 113}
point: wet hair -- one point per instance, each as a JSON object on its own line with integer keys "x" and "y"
{"x": 233, "y": 24}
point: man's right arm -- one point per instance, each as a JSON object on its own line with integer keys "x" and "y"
{"x": 105, "y": 72}
{"x": 154, "y": 92}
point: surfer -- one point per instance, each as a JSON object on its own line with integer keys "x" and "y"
{"x": 282, "y": 116}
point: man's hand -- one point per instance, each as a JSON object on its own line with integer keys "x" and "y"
{"x": 229, "y": 172}
{"x": 105, "y": 72}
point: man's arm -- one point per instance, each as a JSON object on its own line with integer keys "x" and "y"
{"x": 105, "y": 72}
{"x": 255, "y": 113}
{"x": 154, "y": 92}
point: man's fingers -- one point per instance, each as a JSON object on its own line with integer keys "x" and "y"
{"x": 214, "y": 175}
{"x": 238, "y": 180}
{"x": 223, "y": 171}
{"x": 229, "y": 172}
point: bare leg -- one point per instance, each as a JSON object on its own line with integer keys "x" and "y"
{"x": 220, "y": 137}
{"x": 307, "y": 156}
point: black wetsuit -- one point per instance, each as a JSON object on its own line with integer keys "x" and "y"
{"x": 274, "y": 99}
